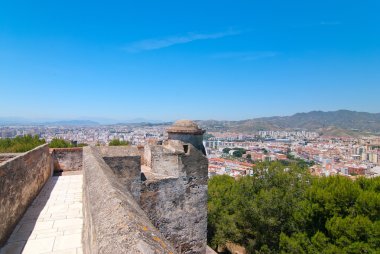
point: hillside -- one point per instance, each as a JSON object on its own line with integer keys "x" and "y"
{"x": 338, "y": 123}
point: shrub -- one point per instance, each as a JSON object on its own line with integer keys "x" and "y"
{"x": 60, "y": 143}
{"x": 116, "y": 142}
{"x": 20, "y": 144}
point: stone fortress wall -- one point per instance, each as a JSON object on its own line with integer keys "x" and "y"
{"x": 67, "y": 159}
{"x": 22, "y": 177}
{"x": 150, "y": 199}
{"x": 113, "y": 219}
{"x": 174, "y": 194}
{"x": 155, "y": 195}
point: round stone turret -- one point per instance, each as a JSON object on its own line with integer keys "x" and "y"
{"x": 188, "y": 132}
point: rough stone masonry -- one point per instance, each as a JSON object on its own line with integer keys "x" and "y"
{"x": 174, "y": 194}
{"x": 140, "y": 200}
{"x": 164, "y": 183}
{"x": 177, "y": 203}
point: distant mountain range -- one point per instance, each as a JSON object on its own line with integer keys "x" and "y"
{"x": 332, "y": 123}
{"x": 24, "y": 121}
{"x": 72, "y": 123}
{"x": 47, "y": 122}
{"x": 335, "y": 123}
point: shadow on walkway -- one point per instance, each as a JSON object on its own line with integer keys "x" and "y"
{"x": 23, "y": 230}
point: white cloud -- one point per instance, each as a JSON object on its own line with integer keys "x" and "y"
{"x": 246, "y": 56}
{"x": 152, "y": 44}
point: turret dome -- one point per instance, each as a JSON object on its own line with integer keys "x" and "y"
{"x": 185, "y": 127}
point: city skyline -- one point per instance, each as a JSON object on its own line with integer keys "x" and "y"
{"x": 168, "y": 60}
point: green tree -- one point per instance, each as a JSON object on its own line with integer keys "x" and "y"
{"x": 344, "y": 212}
{"x": 117, "y": 142}
{"x": 20, "y": 144}
{"x": 60, "y": 143}
{"x": 282, "y": 209}
{"x": 237, "y": 153}
{"x": 256, "y": 209}
{"x": 226, "y": 150}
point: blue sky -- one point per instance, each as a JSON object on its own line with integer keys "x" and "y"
{"x": 166, "y": 60}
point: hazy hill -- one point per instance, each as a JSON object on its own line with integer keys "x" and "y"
{"x": 72, "y": 123}
{"x": 339, "y": 123}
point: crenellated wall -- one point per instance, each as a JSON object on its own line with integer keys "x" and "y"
{"x": 21, "y": 179}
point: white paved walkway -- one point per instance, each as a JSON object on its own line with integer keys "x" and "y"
{"x": 54, "y": 222}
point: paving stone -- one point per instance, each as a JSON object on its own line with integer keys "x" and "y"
{"x": 72, "y": 231}
{"x": 70, "y": 251}
{"x": 37, "y": 225}
{"x": 54, "y": 221}
{"x": 68, "y": 223}
{"x": 67, "y": 242}
{"x": 39, "y": 245}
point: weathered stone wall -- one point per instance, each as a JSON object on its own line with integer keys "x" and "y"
{"x": 125, "y": 161}
{"x": 113, "y": 220}
{"x": 67, "y": 159}
{"x": 147, "y": 158}
{"x": 162, "y": 160}
{"x": 177, "y": 206}
{"x": 195, "y": 140}
{"x": 21, "y": 179}
{"x": 141, "y": 151}
{"x": 118, "y": 151}
{"x": 7, "y": 156}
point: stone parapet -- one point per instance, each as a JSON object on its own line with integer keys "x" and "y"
{"x": 21, "y": 179}
{"x": 125, "y": 163}
{"x": 113, "y": 220}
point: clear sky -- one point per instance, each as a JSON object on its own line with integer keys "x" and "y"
{"x": 166, "y": 60}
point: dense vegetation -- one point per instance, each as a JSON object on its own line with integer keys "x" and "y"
{"x": 282, "y": 209}
{"x": 117, "y": 142}
{"x": 61, "y": 143}
{"x": 20, "y": 144}
{"x": 238, "y": 152}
